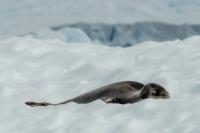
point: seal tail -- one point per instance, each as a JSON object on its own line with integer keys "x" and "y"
{"x": 35, "y": 104}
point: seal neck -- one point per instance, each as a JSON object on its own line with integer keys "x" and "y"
{"x": 136, "y": 97}
{"x": 144, "y": 93}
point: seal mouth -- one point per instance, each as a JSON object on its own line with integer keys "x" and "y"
{"x": 166, "y": 95}
{"x": 163, "y": 95}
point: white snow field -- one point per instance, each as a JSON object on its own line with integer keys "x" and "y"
{"x": 52, "y": 70}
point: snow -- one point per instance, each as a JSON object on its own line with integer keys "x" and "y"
{"x": 23, "y": 16}
{"x": 53, "y": 70}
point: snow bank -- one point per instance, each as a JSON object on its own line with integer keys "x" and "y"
{"x": 52, "y": 70}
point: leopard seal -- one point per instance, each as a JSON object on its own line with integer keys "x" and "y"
{"x": 123, "y": 92}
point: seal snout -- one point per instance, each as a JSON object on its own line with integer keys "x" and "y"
{"x": 165, "y": 95}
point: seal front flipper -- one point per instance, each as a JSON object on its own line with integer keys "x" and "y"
{"x": 117, "y": 101}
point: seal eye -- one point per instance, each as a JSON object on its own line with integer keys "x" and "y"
{"x": 153, "y": 85}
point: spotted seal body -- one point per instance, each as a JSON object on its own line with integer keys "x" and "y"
{"x": 120, "y": 92}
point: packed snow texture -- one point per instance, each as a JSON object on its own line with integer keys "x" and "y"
{"x": 53, "y": 70}
{"x": 22, "y": 16}
{"x": 130, "y": 34}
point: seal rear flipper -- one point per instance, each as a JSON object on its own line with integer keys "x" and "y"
{"x": 34, "y": 104}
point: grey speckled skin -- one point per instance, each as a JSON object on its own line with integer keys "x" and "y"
{"x": 120, "y": 92}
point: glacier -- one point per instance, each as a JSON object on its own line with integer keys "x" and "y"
{"x": 126, "y": 35}
{"x": 53, "y": 70}
{"x": 24, "y": 16}
{"x": 67, "y": 34}
{"x": 114, "y": 23}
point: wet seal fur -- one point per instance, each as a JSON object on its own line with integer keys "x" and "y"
{"x": 123, "y": 92}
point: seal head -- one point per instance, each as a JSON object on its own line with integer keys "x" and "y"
{"x": 153, "y": 90}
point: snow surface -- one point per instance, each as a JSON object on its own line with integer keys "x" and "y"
{"x": 53, "y": 70}
{"x": 22, "y": 16}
